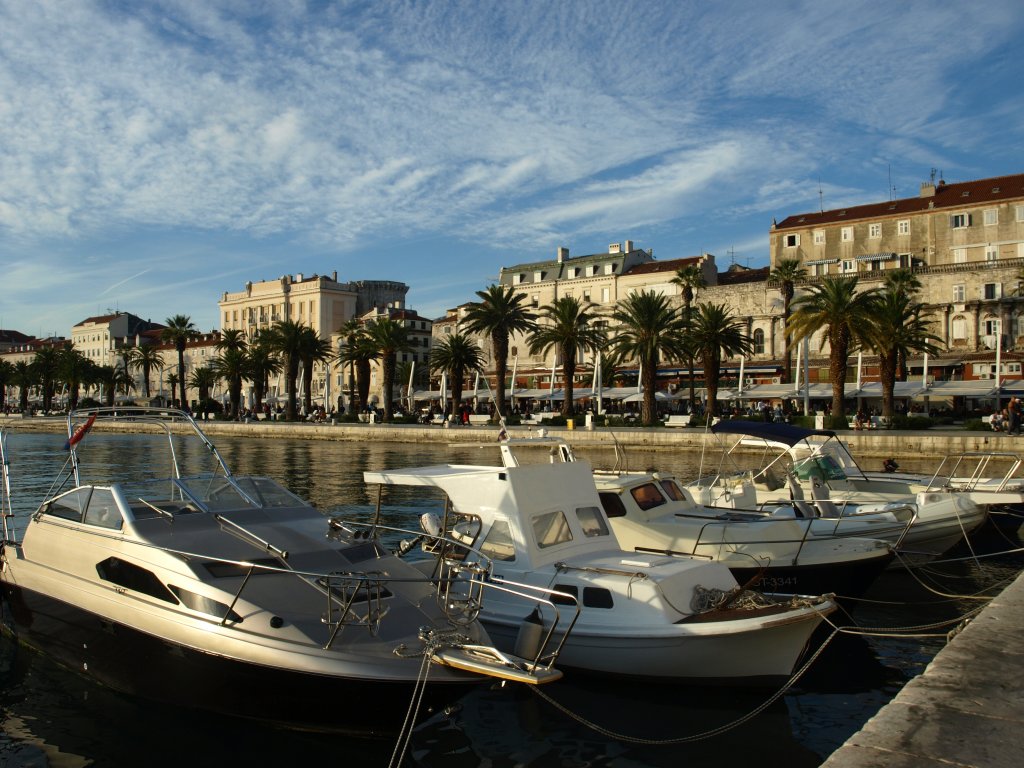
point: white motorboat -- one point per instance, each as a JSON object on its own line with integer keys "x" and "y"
{"x": 229, "y": 593}
{"x": 767, "y": 549}
{"x": 631, "y": 614}
{"x": 794, "y": 470}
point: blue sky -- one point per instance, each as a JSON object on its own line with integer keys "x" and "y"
{"x": 156, "y": 154}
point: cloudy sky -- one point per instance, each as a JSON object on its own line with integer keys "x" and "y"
{"x": 156, "y": 154}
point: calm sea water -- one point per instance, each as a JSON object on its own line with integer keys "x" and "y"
{"x": 52, "y": 717}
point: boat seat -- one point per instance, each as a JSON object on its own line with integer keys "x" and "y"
{"x": 796, "y": 494}
{"x": 820, "y": 494}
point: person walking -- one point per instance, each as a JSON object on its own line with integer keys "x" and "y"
{"x": 1013, "y": 416}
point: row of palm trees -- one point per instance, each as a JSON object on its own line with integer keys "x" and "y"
{"x": 645, "y": 328}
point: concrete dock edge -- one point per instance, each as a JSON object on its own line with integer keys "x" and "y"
{"x": 965, "y": 709}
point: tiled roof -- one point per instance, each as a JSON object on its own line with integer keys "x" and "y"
{"x": 735, "y": 277}
{"x": 968, "y": 193}
{"x": 673, "y": 265}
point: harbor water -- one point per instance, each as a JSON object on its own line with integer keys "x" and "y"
{"x": 51, "y": 716}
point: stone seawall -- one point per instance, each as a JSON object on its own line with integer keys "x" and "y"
{"x": 932, "y": 443}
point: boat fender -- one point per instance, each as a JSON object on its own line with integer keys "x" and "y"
{"x": 531, "y": 632}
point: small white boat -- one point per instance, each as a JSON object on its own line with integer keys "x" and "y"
{"x": 631, "y": 614}
{"x": 795, "y": 469}
{"x": 229, "y": 593}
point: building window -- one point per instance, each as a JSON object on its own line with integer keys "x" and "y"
{"x": 791, "y": 241}
{"x": 606, "y": 295}
{"x": 609, "y": 269}
{"x": 846, "y": 234}
{"x": 991, "y": 217}
{"x": 990, "y": 291}
{"x": 959, "y": 328}
{"x": 819, "y": 237}
{"x": 819, "y": 269}
{"x": 959, "y": 294}
{"x": 1020, "y": 213}
{"x": 586, "y": 294}
{"x": 959, "y": 220}
{"x": 959, "y": 255}
{"x": 906, "y": 260}
{"x": 535, "y": 299}
{"x": 758, "y": 341}
{"x": 991, "y": 252}
{"x": 849, "y": 265}
{"x": 874, "y": 231}
{"x": 903, "y": 227}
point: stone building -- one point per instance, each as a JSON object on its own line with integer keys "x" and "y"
{"x": 103, "y": 339}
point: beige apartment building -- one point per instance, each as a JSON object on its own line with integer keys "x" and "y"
{"x": 963, "y": 241}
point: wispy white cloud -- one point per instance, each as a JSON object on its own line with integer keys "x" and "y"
{"x": 309, "y": 136}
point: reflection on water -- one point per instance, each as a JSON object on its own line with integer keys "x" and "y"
{"x": 51, "y": 717}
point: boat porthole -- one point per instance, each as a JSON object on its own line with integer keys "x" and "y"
{"x": 276, "y": 622}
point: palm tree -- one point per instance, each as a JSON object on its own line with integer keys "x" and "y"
{"x": 351, "y": 331}
{"x": 787, "y": 273}
{"x": 715, "y": 332}
{"x": 6, "y": 378}
{"x": 74, "y": 368}
{"x": 313, "y": 350}
{"x": 648, "y": 328}
{"x": 690, "y": 279}
{"x": 362, "y": 352}
{"x": 905, "y": 282}
{"x": 47, "y": 365}
{"x": 106, "y": 376}
{"x": 568, "y": 326}
{"x": 389, "y": 337}
{"x": 203, "y": 379}
{"x": 286, "y": 340}
{"x": 232, "y": 365}
{"x": 24, "y": 378}
{"x": 172, "y": 382}
{"x": 179, "y": 332}
{"x": 456, "y": 355}
{"x": 835, "y": 306}
{"x": 898, "y": 328}
{"x": 499, "y": 314}
{"x": 261, "y": 364}
{"x": 145, "y": 358}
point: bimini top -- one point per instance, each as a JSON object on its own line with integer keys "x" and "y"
{"x": 789, "y": 434}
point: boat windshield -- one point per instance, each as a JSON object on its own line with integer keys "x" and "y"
{"x": 824, "y": 465}
{"x": 204, "y": 493}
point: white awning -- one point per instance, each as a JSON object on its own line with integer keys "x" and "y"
{"x": 816, "y": 262}
{"x": 876, "y": 256}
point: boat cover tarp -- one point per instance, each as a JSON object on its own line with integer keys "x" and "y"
{"x": 789, "y": 434}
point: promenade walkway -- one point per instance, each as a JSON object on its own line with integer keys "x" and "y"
{"x": 965, "y": 709}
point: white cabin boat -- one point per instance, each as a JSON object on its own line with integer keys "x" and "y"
{"x": 631, "y": 614}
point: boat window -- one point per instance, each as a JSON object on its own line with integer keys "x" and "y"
{"x": 71, "y": 505}
{"x": 131, "y": 576}
{"x": 205, "y": 605}
{"x": 647, "y": 496}
{"x": 268, "y": 493}
{"x": 215, "y": 492}
{"x": 498, "y": 544}
{"x": 612, "y": 503}
{"x": 592, "y": 521}
{"x": 551, "y": 528}
{"x": 824, "y": 467}
{"x": 597, "y": 597}
{"x": 102, "y": 510}
{"x": 672, "y": 490}
{"x": 568, "y": 589}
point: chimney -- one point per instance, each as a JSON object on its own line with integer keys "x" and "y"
{"x": 927, "y": 189}
{"x": 615, "y": 248}
{"x": 298, "y": 277}
{"x": 563, "y": 254}
{"x": 629, "y": 246}
{"x": 334, "y": 275}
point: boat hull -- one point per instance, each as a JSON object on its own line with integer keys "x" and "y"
{"x": 139, "y": 664}
{"x": 848, "y": 580}
{"x": 682, "y": 653}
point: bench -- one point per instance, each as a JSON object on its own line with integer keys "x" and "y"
{"x": 479, "y": 419}
{"x": 676, "y": 420}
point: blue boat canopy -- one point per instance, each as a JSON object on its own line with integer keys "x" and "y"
{"x": 767, "y": 430}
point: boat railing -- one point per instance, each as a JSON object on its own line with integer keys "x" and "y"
{"x": 723, "y": 526}
{"x": 978, "y": 474}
